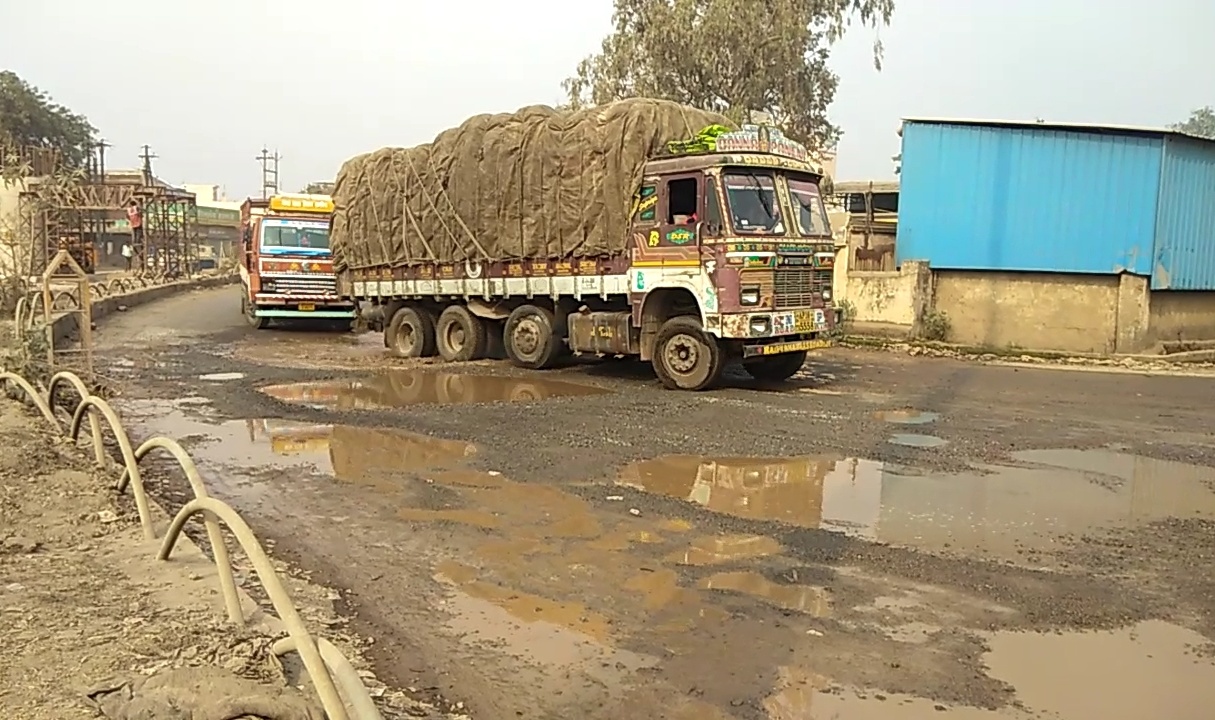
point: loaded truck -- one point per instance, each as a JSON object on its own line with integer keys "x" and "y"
{"x": 638, "y": 228}
{"x": 286, "y": 269}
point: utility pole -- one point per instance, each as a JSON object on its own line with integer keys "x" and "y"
{"x": 269, "y": 171}
{"x": 101, "y": 146}
{"x": 148, "y": 157}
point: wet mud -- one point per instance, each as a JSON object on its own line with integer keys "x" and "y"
{"x": 739, "y": 554}
{"x": 585, "y": 594}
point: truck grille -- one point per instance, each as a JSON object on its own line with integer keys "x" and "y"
{"x": 304, "y": 284}
{"x": 800, "y": 286}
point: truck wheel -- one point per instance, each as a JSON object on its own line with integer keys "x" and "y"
{"x": 459, "y": 335}
{"x": 530, "y": 338}
{"x": 255, "y": 322}
{"x": 775, "y": 368}
{"x": 410, "y": 333}
{"x": 685, "y": 356}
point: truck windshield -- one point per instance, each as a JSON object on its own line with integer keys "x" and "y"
{"x": 811, "y": 215}
{"x": 287, "y": 236}
{"x": 754, "y": 209}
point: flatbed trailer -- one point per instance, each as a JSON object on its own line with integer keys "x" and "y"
{"x": 730, "y": 259}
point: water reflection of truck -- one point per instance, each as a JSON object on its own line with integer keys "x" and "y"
{"x": 839, "y": 494}
{"x": 359, "y": 455}
{"x": 640, "y": 228}
{"x": 287, "y": 267}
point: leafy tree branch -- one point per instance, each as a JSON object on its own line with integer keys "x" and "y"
{"x": 737, "y": 57}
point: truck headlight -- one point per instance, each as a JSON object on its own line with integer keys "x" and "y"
{"x": 749, "y": 296}
{"x": 269, "y": 286}
{"x": 827, "y": 295}
{"x": 760, "y": 325}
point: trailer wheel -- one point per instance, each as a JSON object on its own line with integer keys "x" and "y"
{"x": 530, "y": 338}
{"x": 249, "y": 310}
{"x": 411, "y": 333}
{"x": 775, "y": 368}
{"x": 460, "y": 335}
{"x": 686, "y": 357}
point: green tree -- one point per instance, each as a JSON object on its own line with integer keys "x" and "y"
{"x": 1201, "y": 123}
{"x": 30, "y": 118}
{"x": 737, "y": 57}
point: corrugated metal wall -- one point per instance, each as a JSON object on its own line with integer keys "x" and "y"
{"x": 1027, "y": 199}
{"x": 1185, "y": 222}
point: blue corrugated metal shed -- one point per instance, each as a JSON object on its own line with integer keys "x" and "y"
{"x": 996, "y": 195}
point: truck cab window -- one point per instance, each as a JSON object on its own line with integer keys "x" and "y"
{"x": 754, "y": 207}
{"x": 682, "y": 201}
{"x": 808, "y": 204}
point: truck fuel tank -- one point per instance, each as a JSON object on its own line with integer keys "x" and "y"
{"x": 603, "y": 333}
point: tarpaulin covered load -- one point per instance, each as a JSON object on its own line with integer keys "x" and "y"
{"x": 539, "y": 183}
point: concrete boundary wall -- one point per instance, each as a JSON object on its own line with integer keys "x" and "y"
{"x": 1051, "y": 312}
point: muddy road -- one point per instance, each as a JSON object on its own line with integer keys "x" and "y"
{"x": 886, "y": 537}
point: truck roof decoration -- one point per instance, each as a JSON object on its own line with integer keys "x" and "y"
{"x": 749, "y": 138}
{"x": 301, "y": 203}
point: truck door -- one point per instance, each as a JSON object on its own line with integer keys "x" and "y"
{"x": 246, "y": 243}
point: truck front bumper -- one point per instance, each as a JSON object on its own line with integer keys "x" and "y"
{"x": 786, "y": 324}
{"x": 280, "y": 306}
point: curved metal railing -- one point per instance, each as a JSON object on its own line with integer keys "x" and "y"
{"x": 331, "y": 673}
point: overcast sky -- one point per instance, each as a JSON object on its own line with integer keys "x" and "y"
{"x": 207, "y": 84}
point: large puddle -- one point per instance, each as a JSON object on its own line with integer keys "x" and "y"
{"x": 400, "y": 388}
{"x": 594, "y": 601}
{"x": 246, "y": 450}
{"x": 1144, "y": 671}
{"x": 1047, "y": 495}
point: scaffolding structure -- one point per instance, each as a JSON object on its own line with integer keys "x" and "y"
{"x": 76, "y": 212}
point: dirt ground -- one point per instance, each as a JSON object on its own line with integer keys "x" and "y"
{"x": 90, "y": 619}
{"x": 889, "y": 536}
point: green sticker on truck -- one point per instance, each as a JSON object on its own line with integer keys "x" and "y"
{"x": 681, "y": 236}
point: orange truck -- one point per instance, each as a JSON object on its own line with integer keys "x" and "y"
{"x": 286, "y": 270}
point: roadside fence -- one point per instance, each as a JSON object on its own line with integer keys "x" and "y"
{"x": 331, "y": 673}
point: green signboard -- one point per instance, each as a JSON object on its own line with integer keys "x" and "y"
{"x": 222, "y": 217}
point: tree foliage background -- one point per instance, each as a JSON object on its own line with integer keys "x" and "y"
{"x": 30, "y": 118}
{"x": 318, "y": 188}
{"x": 730, "y": 56}
{"x": 1201, "y": 123}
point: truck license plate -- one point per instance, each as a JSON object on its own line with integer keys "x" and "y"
{"x": 805, "y": 321}
{"x": 307, "y": 307}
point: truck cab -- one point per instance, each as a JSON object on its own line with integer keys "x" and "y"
{"x": 287, "y": 265}
{"x": 735, "y": 236}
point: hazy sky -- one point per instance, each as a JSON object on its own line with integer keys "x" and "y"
{"x": 206, "y": 84}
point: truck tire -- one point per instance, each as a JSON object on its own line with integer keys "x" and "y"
{"x": 775, "y": 368}
{"x": 410, "y": 333}
{"x": 247, "y": 309}
{"x": 459, "y": 335}
{"x": 530, "y": 338}
{"x": 686, "y": 357}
